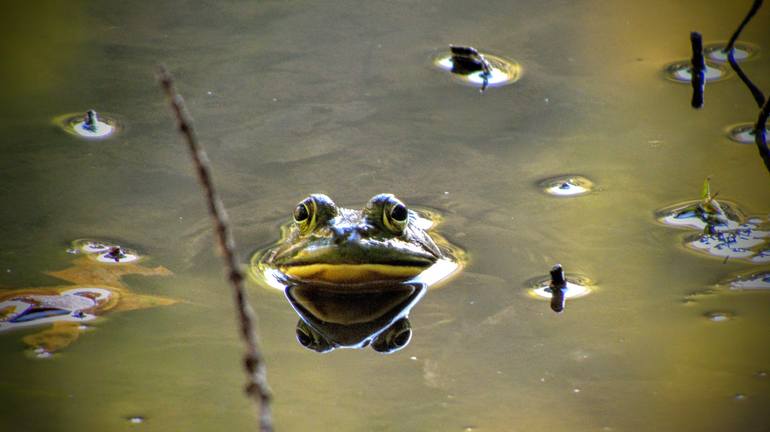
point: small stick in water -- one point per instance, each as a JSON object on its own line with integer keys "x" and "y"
{"x": 466, "y": 60}
{"x": 91, "y": 120}
{"x": 698, "y": 70}
{"x": 558, "y": 288}
{"x": 253, "y": 362}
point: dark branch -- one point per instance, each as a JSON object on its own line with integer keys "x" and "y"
{"x": 764, "y": 109}
{"x": 754, "y": 8}
{"x": 698, "y": 71}
{"x": 253, "y": 362}
{"x": 760, "y": 132}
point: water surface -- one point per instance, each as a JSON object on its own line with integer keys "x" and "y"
{"x": 341, "y": 98}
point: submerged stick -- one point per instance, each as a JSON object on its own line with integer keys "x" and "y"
{"x": 253, "y": 362}
{"x": 698, "y": 70}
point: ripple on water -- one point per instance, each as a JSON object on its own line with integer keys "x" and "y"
{"x": 741, "y": 51}
{"x": 104, "y": 251}
{"x": 681, "y": 71}
{"x": 502, "y": 71}
{"x": 89, "y": 125}
{"x": 755, "y": 281}
{"x": 566, "y": 186}
{"x": 577, "y": 286}
{"x": 719, "y": 316}
{"x": 743, "y": 133}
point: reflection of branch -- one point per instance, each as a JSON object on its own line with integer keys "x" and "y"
{"x": 759, "y": 127}
{"x": 253, "y": 361}
{"x": 698, "y": 71}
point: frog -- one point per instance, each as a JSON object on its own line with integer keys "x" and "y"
{"x": 384, "y": 241}
{"x": 95, "y": 288}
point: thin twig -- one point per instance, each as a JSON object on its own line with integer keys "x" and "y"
{"x": 759, "y": 97}
{"x": 698, "y": 71}
{"x": 253, "y": 362}
{"x": 760, "y": 132}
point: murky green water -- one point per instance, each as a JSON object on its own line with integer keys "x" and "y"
{"x": 341, "y": 98}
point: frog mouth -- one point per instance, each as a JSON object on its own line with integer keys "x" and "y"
{"x": 346, "y": 266}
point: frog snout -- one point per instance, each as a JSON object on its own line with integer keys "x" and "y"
{"x": 345, "y": 235}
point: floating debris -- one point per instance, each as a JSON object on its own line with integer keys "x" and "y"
{"x": 681, "y": 71}
{"x": 725, "y": 232}
{"x": 89, "y": 125}
{"x": 741, "y": 51}
{"x": 743, "y": 133}
{"x": 477, "y": 69}
{"x": 566, "y": 186}
{"x": 135, "y": 420}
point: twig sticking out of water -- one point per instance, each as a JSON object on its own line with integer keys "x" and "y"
{"x": 759, "y": 97}
{"x": 558, "y": 288}
{"x": 253, "y": 362}
{"x": 755, "y": 91}
{"x": 698, "y": 70}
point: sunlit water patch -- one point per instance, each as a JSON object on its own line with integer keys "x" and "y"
{"x": 479, "y": 69}
{"x": 741, "y": 51}
{"x": 681, "y": 71}
{"x": 754, "y": 281}
{"x": 743, "y": 133}
{"x": 566, "y": 186}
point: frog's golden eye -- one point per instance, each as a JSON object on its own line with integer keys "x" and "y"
{"x": 301, "y": 213}
{"x": 317, "y": 209}
{"x": 304, "y": 214}
{"x": 395, "y": 215}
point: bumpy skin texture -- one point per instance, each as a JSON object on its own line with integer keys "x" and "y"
{"x": 382, "y": 234}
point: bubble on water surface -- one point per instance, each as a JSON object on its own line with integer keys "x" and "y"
{"x": 681, "y": 71}
{"x": 741, "y": 51}
{"x": 564, "y": 186}
{"x": 719, "y": 316}
{"x": 89, "y": 125}
{"x": 501, "y": 71}
{"x": 743, "y": 133}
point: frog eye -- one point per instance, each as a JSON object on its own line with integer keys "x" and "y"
{"x": 301, "y": 213}
{"x": 395, "y": 215}
{"x": 313, "y": 210}
{"x": 394, "y": 338}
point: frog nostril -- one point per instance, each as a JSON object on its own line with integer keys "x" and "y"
{"x": 345, "y": 234}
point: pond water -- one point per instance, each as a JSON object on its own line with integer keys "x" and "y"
{"x": 292, "y": 98}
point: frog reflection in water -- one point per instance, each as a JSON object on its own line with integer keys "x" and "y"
{"x": 353, "y": 275}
